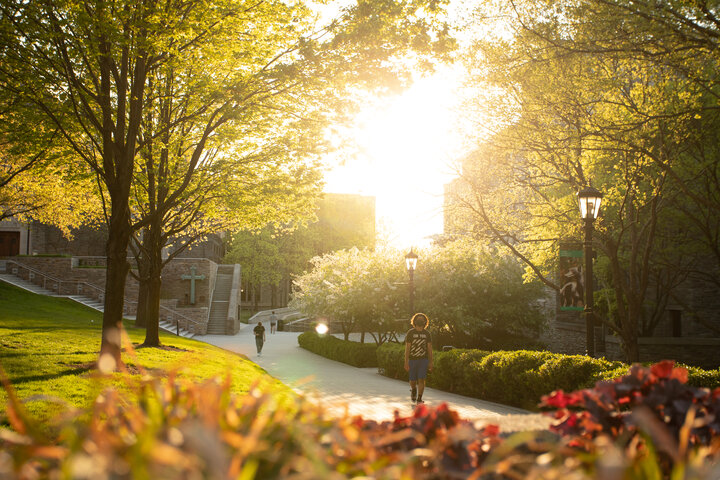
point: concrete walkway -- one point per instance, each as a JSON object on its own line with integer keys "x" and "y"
{"x": 360, "y": 391}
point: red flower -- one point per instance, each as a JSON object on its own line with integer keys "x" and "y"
{"x": 490, "y": 430}
{"x": 560, "y": 399}
{"x": 663, "y": 369}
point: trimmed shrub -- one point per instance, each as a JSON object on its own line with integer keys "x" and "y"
{"x": 353, "y": 353}
{"x": 450, "y": 369}
{"x": 698, "y": 377}
{"x": 517, "y": 378}
{"x": 391, "y": 360}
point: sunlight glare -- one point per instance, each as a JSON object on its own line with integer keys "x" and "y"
{"x": 406, "y": 148}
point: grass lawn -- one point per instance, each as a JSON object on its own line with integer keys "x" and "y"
{"x": 48, "y": 347}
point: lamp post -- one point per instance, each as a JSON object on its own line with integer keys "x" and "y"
{"x": 589, "y": 200}
{"x": 411, "y": 262}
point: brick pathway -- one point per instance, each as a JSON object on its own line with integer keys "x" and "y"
{"x": 360, "y": 391}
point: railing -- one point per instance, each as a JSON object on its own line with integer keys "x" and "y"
{"x": 79, "y": 287}
{"x": 53, "y": 284}
{"x": 266, "y": 313}
{"x": 187, "y": 321}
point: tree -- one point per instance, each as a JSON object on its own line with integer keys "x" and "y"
{"x": 475, "y": 296}
{"x": 469, "y": 293}
{"x": 259, "y": 256}
{"x": 38, "y": 178}
{"x": 85, "y": 68}
{"x": 358, "y": 289}
{"x": 608, "y": 93}
{"x": 271, "y": 255}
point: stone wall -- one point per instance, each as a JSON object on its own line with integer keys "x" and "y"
{"x": 175, "y": 287}
{"x": 192, "y": 319}
{"x": 85, "y": 241}
{"x": 66, "y": 276}
{"x": 563, "y": 337}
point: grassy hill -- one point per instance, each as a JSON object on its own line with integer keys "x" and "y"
{"x": 48, "y": 347}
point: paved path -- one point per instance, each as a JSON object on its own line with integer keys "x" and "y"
{"x": 359, "y": 391}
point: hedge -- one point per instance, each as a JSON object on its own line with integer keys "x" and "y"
{"x": 353, "y": 353}
{"x": 518, "y": 378}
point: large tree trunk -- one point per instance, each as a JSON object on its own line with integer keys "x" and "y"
{"x": 143, "y": 277}
{"x": 152, "y": 331}
{"x": 117, "y": 270}
{"x": 141, "y": 315}
{"x": 154, "y": 266}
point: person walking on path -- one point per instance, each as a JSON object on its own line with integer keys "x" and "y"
{"x": 273, "y": 322}
{"x": 418, "y": 356}
{"x": 259, "y": 331}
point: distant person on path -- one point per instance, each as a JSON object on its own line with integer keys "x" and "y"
{"x": 418, "y": 356}
{"x": 273, "y": 322}
{"x": 259, "y": 331}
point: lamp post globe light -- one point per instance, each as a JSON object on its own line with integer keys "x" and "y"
{"x": 589, "y": 200}
{"x": 411, "y": 262}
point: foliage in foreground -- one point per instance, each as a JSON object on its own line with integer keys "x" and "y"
{"x": 180, "y": 429}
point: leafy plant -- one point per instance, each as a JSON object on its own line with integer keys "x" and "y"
{"x": 661, "y": 390}
{"x": 352, "y": 353}
{"x": 164, "y": 426}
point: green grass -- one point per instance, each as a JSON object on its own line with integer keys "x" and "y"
{"x": 48, "y": 347}
{"x": 245, "y": 316}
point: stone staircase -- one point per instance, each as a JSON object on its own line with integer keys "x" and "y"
{"x": 220, "y": 301}
{"x": 31, "y": 287}
{"x": 169, "y": 327}
{"x": 93, "y": 303}
{"x": 25, "y": 285}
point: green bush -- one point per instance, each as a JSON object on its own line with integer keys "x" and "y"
{"x": 449, "y": 369}
{"x": 352, "y": 353}
{"x": 518, "y": 378}
{"x": 698, "y": 377}
{"x": 391, "y": 360}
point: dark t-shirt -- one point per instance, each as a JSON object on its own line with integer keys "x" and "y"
{"x": 259, "y": 330}
{"x": 418, "y": 343}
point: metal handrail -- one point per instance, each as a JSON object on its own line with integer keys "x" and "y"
{"x": 101, "y": 291}
{"x": 56, "y": 280}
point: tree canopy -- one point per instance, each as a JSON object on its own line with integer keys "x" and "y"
{"x": 89, "y": 70}
{"x": 618, "y": 94}
{"x": 473, "y": 296}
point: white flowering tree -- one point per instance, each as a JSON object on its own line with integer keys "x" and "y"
{"x": 361, "y": 290}
{"x": 474, "y": 295}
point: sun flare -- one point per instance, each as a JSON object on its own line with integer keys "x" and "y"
{"x": 406, "y": 149}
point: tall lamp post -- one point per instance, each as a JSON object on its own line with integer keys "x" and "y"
{"x": 411, "y": 262}
{"x": 589, "y": 199}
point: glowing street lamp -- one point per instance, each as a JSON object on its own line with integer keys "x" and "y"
{"x": 411, "y": 262}
{"x": 589, "y": 200}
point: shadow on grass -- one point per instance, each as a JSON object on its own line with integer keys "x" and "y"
{"x": 71, "y": 371}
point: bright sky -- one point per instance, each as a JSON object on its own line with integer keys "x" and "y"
{"x": 407, "y": 149}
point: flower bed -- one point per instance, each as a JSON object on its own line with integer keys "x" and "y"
{"x": 648, "y": 424}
